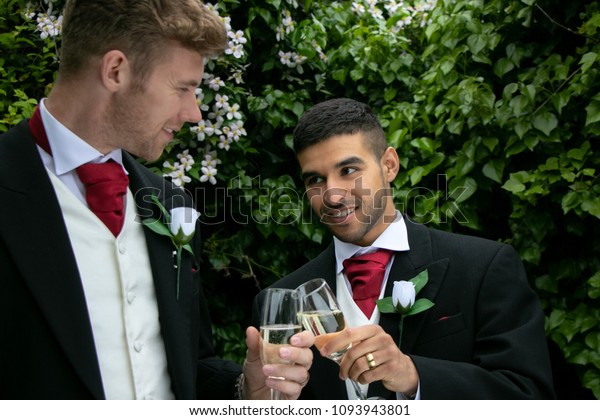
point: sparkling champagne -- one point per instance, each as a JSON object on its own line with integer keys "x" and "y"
{"x": 274, "y": 337}
{"x": 325, "y": 325}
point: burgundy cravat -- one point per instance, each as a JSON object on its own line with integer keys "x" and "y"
{"x": 105, "y": 183}
{"x": 365, "y": 274}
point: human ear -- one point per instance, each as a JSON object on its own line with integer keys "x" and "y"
{"x": 390, "y": 162}
{"x": 116, "y": 70}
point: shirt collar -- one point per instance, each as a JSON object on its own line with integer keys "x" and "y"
{"x": 69, "y": 151}
{"x": 394, "y": 238}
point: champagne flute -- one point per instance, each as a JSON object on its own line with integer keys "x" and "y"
{"x": 320, "y": 314}
{"x": 279, "y": 323}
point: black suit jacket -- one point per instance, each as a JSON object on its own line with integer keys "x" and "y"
{"x": 46, "y": 343}
{"x": 483, "y": 339}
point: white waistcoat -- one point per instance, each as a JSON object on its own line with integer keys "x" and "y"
{"x": 354, "y": 317}
{"x": 121, "y": 301}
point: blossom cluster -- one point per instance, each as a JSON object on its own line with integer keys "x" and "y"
{"x": 47, "y": 23}
{"x": 290, "y": 59}
{"x": 222, "y": 124}
{"x": 286, "y": 27}
{"x": 236, "y": 43}
{"x": 409, "y": 10}
{"x": 177, "y": 170}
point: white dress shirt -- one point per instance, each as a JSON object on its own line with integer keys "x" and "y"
{"x": 115, "y": 275}
{"x": 394, "y": 238}
{"x": 69, "y": 152}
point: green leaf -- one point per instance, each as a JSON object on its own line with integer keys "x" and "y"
{"x": 420, "y": 306}
{"x": 420, "y": 280}
{"x": 157, "y": 226}
{"x": 162, "y": 208}
{"x": 516, "y": 182}
{"x": 587, "y": 60}
{"x": 593, "y": 113}
{"x": 188, "y": 248}
{"x": 545, "y": 122}
{"x": 591, "y": 205}
{"x": 594, "y": 283}
{"x": 494, "y": 170}
{"x": 385, "y": 305}
{"x": 591, "y": 380}
{"x": 503, "y": 66}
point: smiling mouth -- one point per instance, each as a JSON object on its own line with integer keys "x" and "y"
{"x": 337, "y": 216}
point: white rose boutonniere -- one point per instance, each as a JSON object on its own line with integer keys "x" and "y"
{"x": 181, "y": 222}
{"x": 403, "y": 300}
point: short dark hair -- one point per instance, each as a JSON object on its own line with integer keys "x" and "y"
{"x": 337, "y": 117}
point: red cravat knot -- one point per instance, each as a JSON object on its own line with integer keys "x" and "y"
{"x": 365, "y": 273}
{"x": 105, "y": 186}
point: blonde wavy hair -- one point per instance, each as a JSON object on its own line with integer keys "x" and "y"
{"x": 141, "y": 29}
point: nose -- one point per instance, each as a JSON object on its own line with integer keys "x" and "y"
{"x": 334, "y": 195}
{"x": 191, "y": 110}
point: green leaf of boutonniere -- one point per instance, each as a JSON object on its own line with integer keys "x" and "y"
{"x": 180, "y": 240}
{"x": 162, "y": 208}
{"x": 386, "y": 305}
{"x": 403, "y": 300}
{"x": 420, "y": 306}
{"x": 157, "y": 227}
{"x": 420, "y": 280}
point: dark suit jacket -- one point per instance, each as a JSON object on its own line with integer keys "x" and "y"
{"x": 483, "y": 339}
{"x": 46, "y": 343}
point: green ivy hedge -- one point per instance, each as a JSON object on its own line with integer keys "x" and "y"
{"x": 493, "y": 106}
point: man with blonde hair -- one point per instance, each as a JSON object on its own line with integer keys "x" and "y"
{"x": 94, "y": 304}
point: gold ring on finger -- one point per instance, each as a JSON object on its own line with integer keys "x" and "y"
{"x": 370, "y": 361}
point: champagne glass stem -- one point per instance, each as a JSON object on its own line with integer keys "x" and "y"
{"x": 275, "y": 394}
{"x": 359, "y": 393}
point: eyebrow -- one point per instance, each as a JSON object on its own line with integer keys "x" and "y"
{"x": 353, "y": 160}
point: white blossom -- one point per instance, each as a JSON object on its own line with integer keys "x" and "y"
{"x": 233, "y": 112}
{"x": 183, "y": 224}
{"x": 186, "y": 160}
{"x": 237, "y": 37}
{"x": 48, "y": 25}
{"x": 224, "y": 142}
{"x": 215, "y": 83}
{"x": 358, "y": 8}
{"x": 210, "y": 159}
{"x": 280, "y": 33}
{"x": 403, "y": 296}
{"x": 237, "y": 50}
{"x": 221, "y": 101}
{"x": 208, "y": 174}
{"x": 237, "y": 77}
{"x": 291, "y": 59}
{"x": 179, "y": 178}
{"x": 237, "y": 130}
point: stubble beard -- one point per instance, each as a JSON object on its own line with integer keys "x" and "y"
{"x": 128, "y": 125}
{"x": 366, "y": 223}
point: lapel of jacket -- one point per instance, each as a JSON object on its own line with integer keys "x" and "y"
{"x": 175, "y": 316}
{"x": 407, "y": 265}
{"x": 44, "y": 255}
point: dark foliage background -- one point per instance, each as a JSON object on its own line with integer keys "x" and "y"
{"x": 493, "y": 106}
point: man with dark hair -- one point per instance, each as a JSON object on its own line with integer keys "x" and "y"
{"x": 483, "y": 338}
